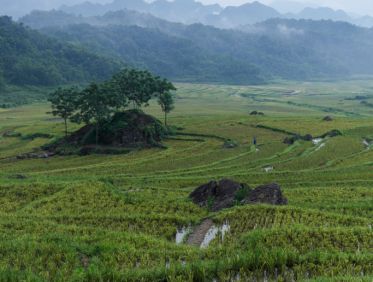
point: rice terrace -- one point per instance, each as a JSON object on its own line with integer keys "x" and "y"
{"x": 128, "y": 215}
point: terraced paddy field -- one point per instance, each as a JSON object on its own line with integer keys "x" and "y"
{"x": 128, "y": 217}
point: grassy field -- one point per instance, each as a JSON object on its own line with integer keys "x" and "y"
{"x": 115, "y": 217}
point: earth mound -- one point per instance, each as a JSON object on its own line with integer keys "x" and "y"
{"x": 125, "y": 129}
{"x": 226, "y": 193}
{"x": 129, "y": 129}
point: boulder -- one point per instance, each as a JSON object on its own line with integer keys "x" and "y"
{"x": 256, "y": 113}
{"x": 217, "y": 195}
{"x": 308, "y": 137}
{"x": 230, "y": 144}
{"x": 328, "y": 118}
{"x": 332, "y": 133}
{"x": 226, "y": 193}
{"x": 266, "y": 194}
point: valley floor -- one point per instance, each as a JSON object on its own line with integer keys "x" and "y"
{"x": 116, "y": 217}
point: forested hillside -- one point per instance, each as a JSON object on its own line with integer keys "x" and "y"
{"x": 30, "y": 58}
{"x": 285, "y": 49}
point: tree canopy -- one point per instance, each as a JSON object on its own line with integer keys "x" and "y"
{"x": 98, "y": 102}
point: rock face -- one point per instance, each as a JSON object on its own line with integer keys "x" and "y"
{"x": 328, "y": 118}
{"x": 226, "y": 193}
{"x": 216, "y": 195}
{"x": 266, "y": 194}
{"x": 292, "y": 139}
{"x": 332, "y": 133}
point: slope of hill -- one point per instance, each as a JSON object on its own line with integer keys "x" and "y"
{"x": 185, "y": 11}
{"x": 30, "y": 58}
{"x": 175, "y": 57}
{"x": 192, "y": 11}
{"x": 278, "y": 48}
{"x": 249, "y": 13}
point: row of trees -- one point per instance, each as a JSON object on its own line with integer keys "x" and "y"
{"x": 98, "y": 102}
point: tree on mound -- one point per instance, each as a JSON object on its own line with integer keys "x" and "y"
{"x": 95, "y": 105}
{"x": 64, "y": 104}
{"x": 104, "y": 108}
{"x": 166, "y": 101}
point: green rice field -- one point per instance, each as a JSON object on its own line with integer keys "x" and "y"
{"x": 116, "y": 217}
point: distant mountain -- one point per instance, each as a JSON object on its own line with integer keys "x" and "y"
{"x": 289, "y": 6}
{"x": 249, "y": 13}
{"x": 184, "y": 11}
{"x": 30, "y": 58}
{"x": 323, "y": 13}
{"x": 175, "y": 57}
{"x": 191, "y": 11}
{"x": 55, "y": 18}
{"x": 277, "y": 48}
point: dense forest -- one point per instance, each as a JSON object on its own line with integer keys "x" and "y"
{"x": 255, "y": 54}
{"x": 30, "y": 58}
{"x": 278, "y": 48}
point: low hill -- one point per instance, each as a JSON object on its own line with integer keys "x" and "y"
{"x": 30, "y": 58}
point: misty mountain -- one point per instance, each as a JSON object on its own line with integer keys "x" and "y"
{"x": 184, "y": 11}
{"x": 278, "y": 48}
{"x": 55, "y": 18}
{"x": 323, "y": 13}
{"x": 175, "y": 57}
{"x": 191, "y": 11}
{"x": 249, "y": 13}
{"x": 30, "y": 58}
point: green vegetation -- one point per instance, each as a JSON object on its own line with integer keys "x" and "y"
{"x": 114, "y": 217}
{"x": 30, "y": 58}
{"x": 277, "y": 48}
{"x": 103, "y": 104}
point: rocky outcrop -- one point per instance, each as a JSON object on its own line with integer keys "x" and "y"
{"x": 226, "y": 193}
{"x": 328, "y": 118}
{"x": 266, "y": 194}
{"x": 217, "y": 195}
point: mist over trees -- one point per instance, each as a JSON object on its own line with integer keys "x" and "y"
{"x": 30, "y": 58}
{"x": 274, "y": 49}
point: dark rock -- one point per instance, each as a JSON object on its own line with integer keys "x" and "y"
{"x": 230, "y": 144}
{"x": 256, "y": 113}
{"x": 217, "y": 195}
{"x": 332, "y": 133}
{"x": 19, "y": 176}
{"x": 328, "y": 118}
{"x": 308, "y": 137}
{"x": 292, "y": 139}
{"x": 266, "y": 194}
{"x": 226, "y": 193}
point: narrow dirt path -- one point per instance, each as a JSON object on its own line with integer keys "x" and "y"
{"x": 196, "y": 238}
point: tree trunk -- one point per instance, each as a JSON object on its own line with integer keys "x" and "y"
{"x": 97, "y": 128}
{"x": 165, "y": 119}
{"x": 65, "y": 127}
